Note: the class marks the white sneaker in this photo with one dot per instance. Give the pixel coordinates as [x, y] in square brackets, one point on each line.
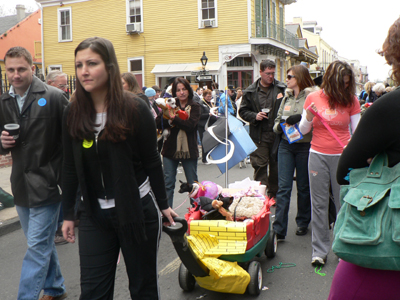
[318, 261]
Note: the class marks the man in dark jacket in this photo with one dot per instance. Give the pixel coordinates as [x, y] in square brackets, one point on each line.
[35, 177]
[259, 107]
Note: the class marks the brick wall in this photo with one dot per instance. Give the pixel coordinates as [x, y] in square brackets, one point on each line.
[5, 160]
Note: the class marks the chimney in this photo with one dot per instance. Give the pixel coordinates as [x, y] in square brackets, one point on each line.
[20, 12]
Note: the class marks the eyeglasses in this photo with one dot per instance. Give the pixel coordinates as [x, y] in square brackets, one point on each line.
[290, 77]
[62, 85]
[270, 74]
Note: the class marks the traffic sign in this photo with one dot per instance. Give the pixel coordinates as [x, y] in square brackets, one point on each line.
[204, 78]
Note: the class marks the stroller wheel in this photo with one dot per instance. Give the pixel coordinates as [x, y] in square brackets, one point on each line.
[255, 272]
[186, 279]
[272, 244]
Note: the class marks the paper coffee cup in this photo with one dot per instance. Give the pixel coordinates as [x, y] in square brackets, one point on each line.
[12, 129]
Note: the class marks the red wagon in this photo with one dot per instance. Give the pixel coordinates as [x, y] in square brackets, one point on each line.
[257, 231]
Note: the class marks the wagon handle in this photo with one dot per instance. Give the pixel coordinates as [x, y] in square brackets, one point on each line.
[175, 230]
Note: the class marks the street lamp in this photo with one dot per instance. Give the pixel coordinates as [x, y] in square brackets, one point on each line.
[204, 60]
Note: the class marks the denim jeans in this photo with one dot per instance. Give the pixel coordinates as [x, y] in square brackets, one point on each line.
[40, 267]
[291, 157]
[170, 166]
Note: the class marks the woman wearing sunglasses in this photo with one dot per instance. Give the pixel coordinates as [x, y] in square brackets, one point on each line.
[293, 156]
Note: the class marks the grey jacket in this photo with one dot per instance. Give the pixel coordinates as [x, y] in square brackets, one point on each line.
[293, 106]
[37, 156]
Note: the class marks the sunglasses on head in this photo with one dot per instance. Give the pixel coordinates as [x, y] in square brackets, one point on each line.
[290, 77]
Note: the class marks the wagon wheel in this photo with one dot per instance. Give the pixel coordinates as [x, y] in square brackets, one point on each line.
[255, 272]
[186, 279]
[272, 244]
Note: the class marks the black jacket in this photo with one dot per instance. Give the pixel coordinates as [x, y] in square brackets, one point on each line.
[189, 126]
[250, 107]
[204, 115]
[130, 161]
[37, 157]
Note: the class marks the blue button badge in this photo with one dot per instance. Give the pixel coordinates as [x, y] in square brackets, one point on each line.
[42, 102]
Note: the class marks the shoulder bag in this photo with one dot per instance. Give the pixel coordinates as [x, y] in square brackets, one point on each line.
[367, 229]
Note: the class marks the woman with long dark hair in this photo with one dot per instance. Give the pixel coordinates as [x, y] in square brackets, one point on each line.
[110, 149]
[293, 156]
[180, 144]
[339, 107]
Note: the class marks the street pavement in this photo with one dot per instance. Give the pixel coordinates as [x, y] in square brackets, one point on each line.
[301, 281]
[9, 220]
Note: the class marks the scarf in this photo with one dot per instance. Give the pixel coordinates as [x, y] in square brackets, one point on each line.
[182, 146]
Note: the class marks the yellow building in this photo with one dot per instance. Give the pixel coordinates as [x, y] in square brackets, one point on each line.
[307, 54]
[159, 39]
[312, 33]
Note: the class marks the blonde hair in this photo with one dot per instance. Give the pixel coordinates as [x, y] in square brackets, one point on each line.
[368, 86]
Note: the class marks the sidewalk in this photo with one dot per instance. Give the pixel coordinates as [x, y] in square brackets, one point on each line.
[9, 220]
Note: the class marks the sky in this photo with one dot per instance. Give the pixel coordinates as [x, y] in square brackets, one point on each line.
[355, 28]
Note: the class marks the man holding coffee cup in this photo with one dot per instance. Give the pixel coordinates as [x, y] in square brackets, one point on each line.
[259, 107]
[30, 116]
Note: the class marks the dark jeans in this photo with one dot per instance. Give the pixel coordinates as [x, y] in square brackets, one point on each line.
[170, 166]
[99, 249]
[265, 168]
[291, 157]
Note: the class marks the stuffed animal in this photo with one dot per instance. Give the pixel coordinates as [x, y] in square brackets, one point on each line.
[206, 203]
[216, 204]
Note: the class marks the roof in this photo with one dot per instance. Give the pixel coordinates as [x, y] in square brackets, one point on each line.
[292, 28]
[8, 22]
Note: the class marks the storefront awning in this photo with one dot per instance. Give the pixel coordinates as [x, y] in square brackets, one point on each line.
[184, 69]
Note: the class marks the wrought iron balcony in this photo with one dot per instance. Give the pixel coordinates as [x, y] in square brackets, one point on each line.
[272, 30]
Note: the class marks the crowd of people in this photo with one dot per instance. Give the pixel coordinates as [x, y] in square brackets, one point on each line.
[115, 182]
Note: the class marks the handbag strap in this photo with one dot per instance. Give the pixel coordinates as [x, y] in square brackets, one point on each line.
[315, 113]
[376, 167]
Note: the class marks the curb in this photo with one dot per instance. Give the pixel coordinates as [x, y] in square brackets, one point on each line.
[10, 225]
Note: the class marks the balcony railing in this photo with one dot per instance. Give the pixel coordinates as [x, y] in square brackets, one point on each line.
[273, 31]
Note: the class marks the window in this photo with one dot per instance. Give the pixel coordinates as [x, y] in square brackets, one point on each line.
[38, 49]
[135, 65]
[55, 68]
[207, 13]
[135, 11]
[241, 79]
[64, 25]
[240, 62]
[207, 9]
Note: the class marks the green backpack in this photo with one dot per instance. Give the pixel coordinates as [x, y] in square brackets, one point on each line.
[367, 229]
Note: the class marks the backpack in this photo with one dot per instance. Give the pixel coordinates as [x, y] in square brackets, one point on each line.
[363, 95]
